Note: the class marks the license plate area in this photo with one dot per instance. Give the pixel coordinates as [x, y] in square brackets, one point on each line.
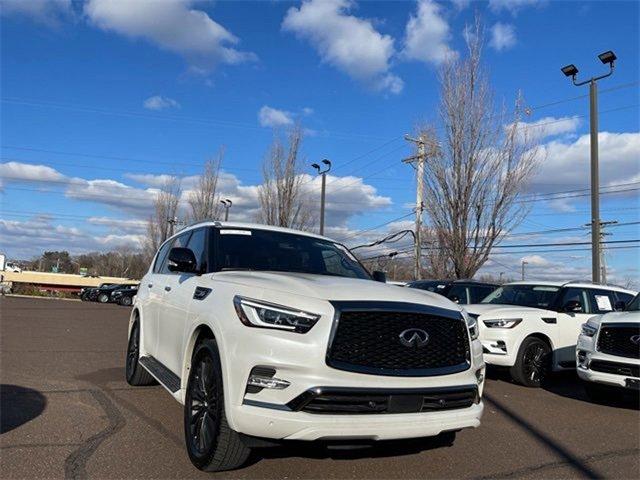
[405, 403]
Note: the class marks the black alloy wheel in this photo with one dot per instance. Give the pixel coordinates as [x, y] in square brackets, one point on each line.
[533, 362]
[203, 407]
[133, 352]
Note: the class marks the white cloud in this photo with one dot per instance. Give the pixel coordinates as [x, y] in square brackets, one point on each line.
[461, 4]
[566, 163]
[128, 225]
[349, 43]
[548, 127]
[47, 12]
[307, 111]
[272, 117]
[513, 6]
[26, 172]
[427, 35]
[172, 25]
[503, 36]
[158, 102]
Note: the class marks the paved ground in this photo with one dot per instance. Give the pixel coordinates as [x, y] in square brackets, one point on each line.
[67, 412]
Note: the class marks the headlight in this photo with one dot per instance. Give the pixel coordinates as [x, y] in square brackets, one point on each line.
[502, 322]
[589, 329]
[472, 323]
[255, 313]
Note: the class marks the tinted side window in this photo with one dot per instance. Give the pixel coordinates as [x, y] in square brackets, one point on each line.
[197, 246]
[624, 297]
[179, 241]
[162, 254]
[575, 295]
[478, 292]
[602, 301]
[457, 293]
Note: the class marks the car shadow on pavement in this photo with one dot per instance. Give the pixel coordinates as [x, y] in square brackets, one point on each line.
[567, 384]
[344, 451]
[19, 405]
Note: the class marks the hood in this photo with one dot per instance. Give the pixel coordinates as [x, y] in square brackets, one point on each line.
[504, 311]
[327, 287]
[617, 317]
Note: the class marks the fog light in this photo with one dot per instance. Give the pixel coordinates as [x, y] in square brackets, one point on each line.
[583, 359]
[267, 382]
[480, 375]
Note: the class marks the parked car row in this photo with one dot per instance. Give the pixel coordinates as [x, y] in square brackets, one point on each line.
[267, 334]
[122, 294]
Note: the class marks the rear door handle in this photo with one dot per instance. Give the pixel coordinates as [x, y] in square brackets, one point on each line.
[167, 288]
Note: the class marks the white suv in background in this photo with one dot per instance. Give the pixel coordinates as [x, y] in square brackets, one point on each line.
[608, 351]
[533, 327]
[269, 333]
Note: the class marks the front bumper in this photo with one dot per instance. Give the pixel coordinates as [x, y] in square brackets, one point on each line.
[587, 357]
[283, 425]
[498, 346]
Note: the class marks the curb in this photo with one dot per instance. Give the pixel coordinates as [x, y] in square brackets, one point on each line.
[15, 295]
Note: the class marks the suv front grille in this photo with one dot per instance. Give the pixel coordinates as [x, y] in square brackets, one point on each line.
[357, 401]
[616, 339]
[369, 340]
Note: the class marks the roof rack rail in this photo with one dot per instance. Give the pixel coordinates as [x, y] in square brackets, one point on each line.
[594, 283]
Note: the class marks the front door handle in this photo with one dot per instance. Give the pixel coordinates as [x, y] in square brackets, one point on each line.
[150, 285]
[167, 288]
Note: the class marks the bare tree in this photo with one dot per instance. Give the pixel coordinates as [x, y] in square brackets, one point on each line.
[474, 179]
[204, 200]
[281, 198]
[161, 223]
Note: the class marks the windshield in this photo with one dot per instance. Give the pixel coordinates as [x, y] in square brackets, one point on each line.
[540, 296]
[634, 306]
[265, 250]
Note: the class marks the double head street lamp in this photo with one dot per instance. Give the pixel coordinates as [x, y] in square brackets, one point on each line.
[227, 205]
[323, 172]
[572, 71]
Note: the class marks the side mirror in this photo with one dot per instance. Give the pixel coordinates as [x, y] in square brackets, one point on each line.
[183, 260]
[379, 276]
[619, 306]
[572, 306]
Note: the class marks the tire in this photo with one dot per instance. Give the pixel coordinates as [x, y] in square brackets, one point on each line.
[596, 392]
[103, 298]
[83, 297]
[533, 363]
[125, 301]
[134, 372]
[211, 444]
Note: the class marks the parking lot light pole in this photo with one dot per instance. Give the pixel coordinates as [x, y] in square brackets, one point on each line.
[523, 264]
[571, 71]
[227, 205]
[323, 173]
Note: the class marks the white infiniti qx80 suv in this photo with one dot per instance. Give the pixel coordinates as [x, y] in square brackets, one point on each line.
[268, 333]
[533, 327]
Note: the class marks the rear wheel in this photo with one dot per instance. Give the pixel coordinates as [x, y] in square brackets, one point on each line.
[135, 373]
[212, 445]
[533, 362]
[126, 301]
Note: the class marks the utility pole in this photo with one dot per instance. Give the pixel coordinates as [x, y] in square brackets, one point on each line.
[523, 264]
[227, 205]
[603, 261]
[500, 280]
[419, 159]
[172, 224]
[571, 71]
[323, 173]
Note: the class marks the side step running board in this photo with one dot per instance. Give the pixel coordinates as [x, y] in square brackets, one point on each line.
[165, 376]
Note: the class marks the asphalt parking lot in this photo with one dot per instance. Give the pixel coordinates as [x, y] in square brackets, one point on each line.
[68, 412]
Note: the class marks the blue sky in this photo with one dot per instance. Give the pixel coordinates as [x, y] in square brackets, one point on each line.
[100, 98]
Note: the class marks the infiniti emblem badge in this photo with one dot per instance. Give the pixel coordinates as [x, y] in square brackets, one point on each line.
[414, 338]
[635, 339]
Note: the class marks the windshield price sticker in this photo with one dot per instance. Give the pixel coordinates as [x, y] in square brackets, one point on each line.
[604, 303]
[235, 232]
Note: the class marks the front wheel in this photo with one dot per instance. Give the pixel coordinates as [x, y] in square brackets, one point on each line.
[212, 445]
[126, 301]
[533, 362]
